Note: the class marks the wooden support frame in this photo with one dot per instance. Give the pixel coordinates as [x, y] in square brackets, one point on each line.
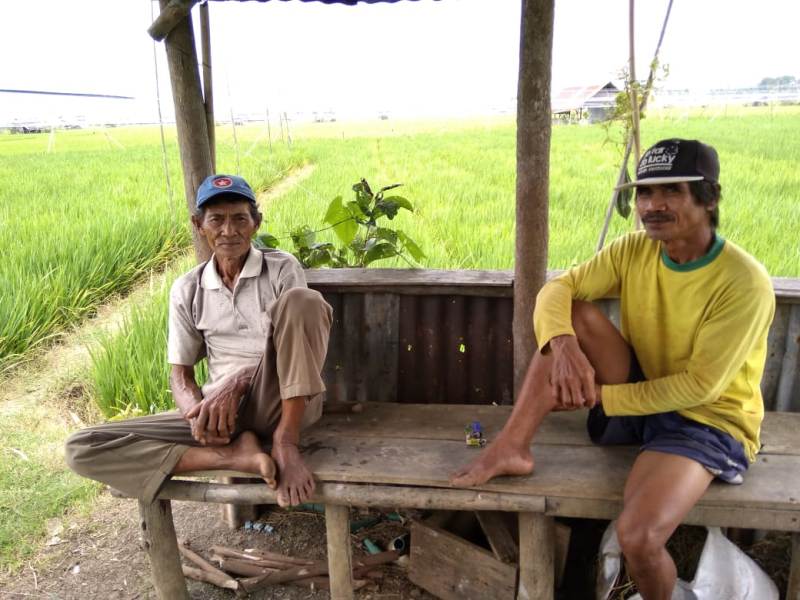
[158, 538]
[536, 556]
[340, 562]
[170, 16]
[793, 587]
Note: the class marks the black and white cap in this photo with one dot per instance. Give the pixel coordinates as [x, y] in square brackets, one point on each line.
[673, 161]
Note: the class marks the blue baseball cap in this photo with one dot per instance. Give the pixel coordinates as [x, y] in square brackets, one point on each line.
[214, 185]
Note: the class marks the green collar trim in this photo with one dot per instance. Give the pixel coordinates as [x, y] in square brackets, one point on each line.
[716, 248]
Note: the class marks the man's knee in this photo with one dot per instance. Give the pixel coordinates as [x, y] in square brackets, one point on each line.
[76, 453]
[303, 302]
[588, 320]
[638, 537]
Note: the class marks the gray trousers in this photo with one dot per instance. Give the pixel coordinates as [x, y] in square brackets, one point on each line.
[137, 455]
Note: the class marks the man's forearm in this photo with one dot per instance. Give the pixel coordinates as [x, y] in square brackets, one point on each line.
[185, 390]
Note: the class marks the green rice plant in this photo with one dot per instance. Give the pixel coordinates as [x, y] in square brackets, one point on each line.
[129, 374]
[87, 220]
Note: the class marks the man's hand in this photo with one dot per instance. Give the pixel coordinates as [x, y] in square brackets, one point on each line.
[213, 419]
[572, 375]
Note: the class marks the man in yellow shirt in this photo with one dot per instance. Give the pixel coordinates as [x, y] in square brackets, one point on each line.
[682, 375]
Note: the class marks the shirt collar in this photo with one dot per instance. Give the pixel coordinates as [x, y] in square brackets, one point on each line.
[252, 268]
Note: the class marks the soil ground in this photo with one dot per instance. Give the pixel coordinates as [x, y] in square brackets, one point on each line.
[100, 556]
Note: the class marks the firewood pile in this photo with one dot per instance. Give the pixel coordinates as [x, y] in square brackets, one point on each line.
[246, 571]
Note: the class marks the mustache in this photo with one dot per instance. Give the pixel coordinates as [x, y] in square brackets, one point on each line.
[657, 217]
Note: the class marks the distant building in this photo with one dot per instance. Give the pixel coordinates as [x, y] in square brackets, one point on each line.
[576, 103]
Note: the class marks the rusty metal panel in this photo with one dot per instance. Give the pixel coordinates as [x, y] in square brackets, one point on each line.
[455, 350]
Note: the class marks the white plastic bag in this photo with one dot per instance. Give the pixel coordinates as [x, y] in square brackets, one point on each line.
[723, 573]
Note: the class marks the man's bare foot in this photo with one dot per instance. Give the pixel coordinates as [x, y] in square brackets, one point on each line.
[248, 456]
[499, 458]
[295, 481]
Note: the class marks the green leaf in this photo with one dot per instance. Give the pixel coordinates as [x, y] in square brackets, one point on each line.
[355, 210]
[385, 207]
[411, 246]
[266, 240]
[389, 187]
[379, 252]
[401, 202]
[302, 237]
[390, 235]
[622, 200]
[344, 225]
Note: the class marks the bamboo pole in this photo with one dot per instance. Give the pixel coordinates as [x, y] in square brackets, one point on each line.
[355, 494]
[158, 538]
[190, 117]
[340, 568]
[208, 91]
[533, 167]
[629, 144]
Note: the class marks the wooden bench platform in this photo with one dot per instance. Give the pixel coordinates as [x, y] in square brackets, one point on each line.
[400, 455]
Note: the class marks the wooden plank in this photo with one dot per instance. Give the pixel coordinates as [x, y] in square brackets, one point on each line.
[562, 471]
[381, 345]
[453, 569]
[235, 515]
[536, 557]
[790, 362]
[446, 422]
[793, 586]
[787, 289]
[158, 538]
[493, 524]
[340, 567]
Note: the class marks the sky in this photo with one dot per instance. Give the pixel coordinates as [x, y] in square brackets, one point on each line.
[425, 58]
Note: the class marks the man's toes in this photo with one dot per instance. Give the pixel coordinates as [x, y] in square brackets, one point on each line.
[283, 498]
[295, 496]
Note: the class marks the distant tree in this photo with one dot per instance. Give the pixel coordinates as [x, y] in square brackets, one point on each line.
[786, 80]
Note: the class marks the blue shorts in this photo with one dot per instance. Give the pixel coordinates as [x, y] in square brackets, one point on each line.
[719, 452]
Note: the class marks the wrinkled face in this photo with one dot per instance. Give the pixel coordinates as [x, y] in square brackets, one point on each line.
[669, 212]
[228, 228]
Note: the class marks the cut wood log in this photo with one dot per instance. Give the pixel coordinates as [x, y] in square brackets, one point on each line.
[262, 555]
[242, 567]
[225, 582]
[202, 562]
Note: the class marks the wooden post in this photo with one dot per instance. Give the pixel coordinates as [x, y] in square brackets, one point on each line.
[208, 92]
[793, 587]
[158, 538]
[536, 552]
[190, 116]
[337, 522]
[533, 166]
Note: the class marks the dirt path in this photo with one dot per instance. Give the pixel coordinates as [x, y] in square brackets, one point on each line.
[294, 177]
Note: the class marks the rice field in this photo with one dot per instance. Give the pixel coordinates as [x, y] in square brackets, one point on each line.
[89, 211]
[83, 222]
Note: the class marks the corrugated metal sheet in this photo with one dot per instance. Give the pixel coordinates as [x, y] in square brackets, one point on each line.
[406, 344]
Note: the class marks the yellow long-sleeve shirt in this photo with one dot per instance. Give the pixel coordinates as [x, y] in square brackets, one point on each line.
[698, 329]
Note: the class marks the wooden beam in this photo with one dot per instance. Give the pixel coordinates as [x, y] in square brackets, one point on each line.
[499, 537]
[170, 16]
[536, 557]
[208, 91]
[340, 567]
[533, 166]
[158, 538]
[190, 117]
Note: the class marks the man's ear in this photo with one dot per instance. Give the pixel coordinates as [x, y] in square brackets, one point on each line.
[197, 221]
